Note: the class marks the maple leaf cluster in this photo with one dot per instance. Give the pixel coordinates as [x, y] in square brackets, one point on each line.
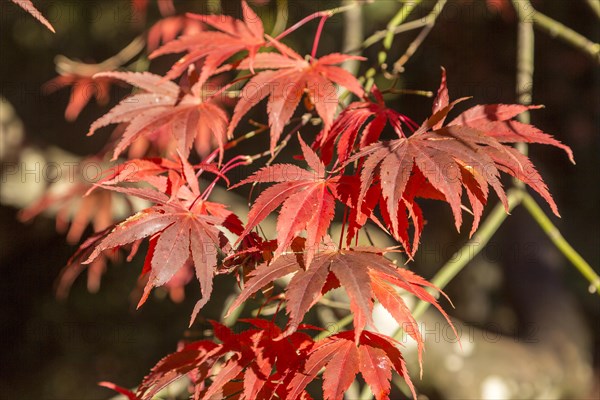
[178, 130]
[259, 364]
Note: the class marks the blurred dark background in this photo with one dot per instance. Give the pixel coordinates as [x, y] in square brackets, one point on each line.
[519, 286]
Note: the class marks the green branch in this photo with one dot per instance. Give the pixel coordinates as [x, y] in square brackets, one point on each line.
[525, 68]
[595, 6]
[396, 21]
[527, 12]
[467, 252]
[560, 242]
[379, 35]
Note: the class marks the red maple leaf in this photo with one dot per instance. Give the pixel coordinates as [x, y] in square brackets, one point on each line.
[375, 358]
[167, 29]
[366, 116]
[180, 182]
[28, 6]
[363, 273]
[162, 105]
[121, 390]
[251, 364]
[75, 267]
[216, 47]
[82, 89]
[286, 78]
[140, 7]
[74, 210]
[182, 225]
[438, 161]
[179, 231]
[306, 199]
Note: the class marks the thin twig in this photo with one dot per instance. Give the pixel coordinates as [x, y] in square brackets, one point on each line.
[527, 12]
[329, 13]
[396, 21]
[303, 121]
[414, 46]
[353, 35]
[560, 242]
[595, 6]
[467, 252]
[399, 65]
[65, 65]
[379, 35]
[334, 304]
[525, 70]
[424, 93]
[341, 324]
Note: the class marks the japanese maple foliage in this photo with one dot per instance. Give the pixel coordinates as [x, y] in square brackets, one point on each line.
[28, 6]
[215, 47]
[286, 78]
[351, 167]
[164, 105]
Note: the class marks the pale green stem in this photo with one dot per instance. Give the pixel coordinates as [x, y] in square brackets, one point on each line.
[595, 6]
[332, 329]
[457, 262]
[398, 19]
[231, 320]
[410, 51]
[353, 34]
[560, 242]
[379, 35]
[353, 37]
[525, 69]
[527, 12]
[473, 247]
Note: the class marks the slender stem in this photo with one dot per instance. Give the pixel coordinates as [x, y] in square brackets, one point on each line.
[525, 70]
[232, 143]
[567, 35]
[65, 65]
[353, 38]
[414, 46]
[331, 12]
[527, 12]
[368, 235]
[473, 247]
[339, 325]
[424, 93]
[379, 35]
[313, 53]
[303, 121]
[395, 28]
[560, 242]
[525, 66]
[230, 84]
[334, 304]
[398, 19]
[595, 6]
